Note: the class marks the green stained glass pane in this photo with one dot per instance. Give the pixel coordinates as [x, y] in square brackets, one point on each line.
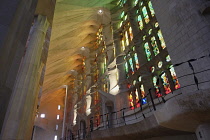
[146, 17]
[147, 51]
[168, 58]
[136, 2]
[154, 80]
[163, 44]
[134, 82]
[126, 67]
[144, 37]
[141, 3]
[141, 25]
[150, 31]
[154, 46]
[125, 17]
[136, 61]
[152, 69]
[140, 78]
[133, 48]
[118, 3]
[156, 24]
[120, 24]
[160, 64]
[122, 14]
[151, 8]
[131, 65]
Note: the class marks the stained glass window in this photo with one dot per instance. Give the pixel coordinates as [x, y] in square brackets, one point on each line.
[156, 24]
[136, 2]
[134, 82]
[139, 78]
[136, 61]
[133, 48]
[175, 80]
[163, 45]
[154, 46]
[131, 33]
[146, 17]
[131, 65]
[166, 84]
[137, 98]
[157, 90]
[141, 25]
[125, 17]
[126, 38]
[152, 69]
[122, 44]
[120, 24]
[141, 3]
[168, 59]
[144, 37]
[122, 15]
[143, 95]
[150, 31]
[147, 50]
[131, 101]
[151, 8]
[121, 2]
[160, 64]
[126, 69]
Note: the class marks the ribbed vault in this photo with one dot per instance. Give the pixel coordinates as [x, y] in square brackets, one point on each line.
[74, 25]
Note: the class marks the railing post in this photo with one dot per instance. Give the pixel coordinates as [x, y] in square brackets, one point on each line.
[195, 78]
[124, 116]
[91, 125]
[150, 94]
[107, 120]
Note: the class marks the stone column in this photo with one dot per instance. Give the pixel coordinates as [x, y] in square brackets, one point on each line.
[20, 115]
[15, 21]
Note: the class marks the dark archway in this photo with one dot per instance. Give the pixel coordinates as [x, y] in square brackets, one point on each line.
[109, 116]
[82, 129]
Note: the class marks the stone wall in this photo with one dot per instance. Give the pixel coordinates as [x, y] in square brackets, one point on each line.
[186, 32]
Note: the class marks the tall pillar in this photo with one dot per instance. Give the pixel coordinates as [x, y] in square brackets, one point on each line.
[21, 110]
[15, 21]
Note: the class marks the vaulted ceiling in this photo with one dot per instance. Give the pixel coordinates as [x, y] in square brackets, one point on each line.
[74, 25]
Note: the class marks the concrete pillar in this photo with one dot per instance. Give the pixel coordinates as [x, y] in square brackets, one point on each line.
[203, 132]
[15, 21]
[20, 115]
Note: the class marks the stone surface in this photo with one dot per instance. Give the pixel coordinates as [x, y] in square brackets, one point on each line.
[16, 17]
[23, 103]
[187, 37]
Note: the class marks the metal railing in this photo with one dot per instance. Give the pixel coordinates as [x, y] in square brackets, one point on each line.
[118, 118]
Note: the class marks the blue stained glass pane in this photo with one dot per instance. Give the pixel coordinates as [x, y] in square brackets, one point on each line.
[144, 101]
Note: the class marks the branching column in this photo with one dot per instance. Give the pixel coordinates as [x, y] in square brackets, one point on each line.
[19, 118]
